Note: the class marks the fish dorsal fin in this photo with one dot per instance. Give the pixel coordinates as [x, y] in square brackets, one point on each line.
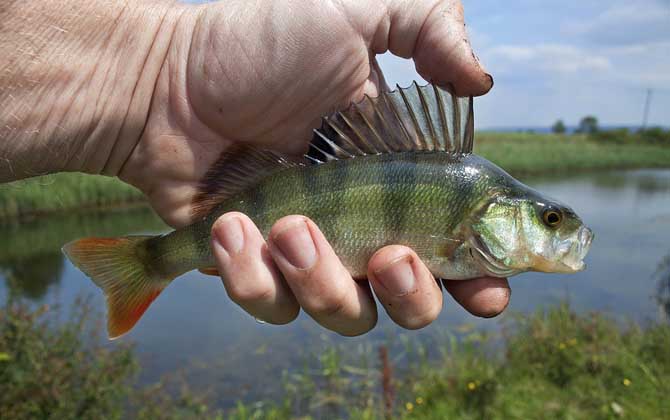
[236, 169]
[426, 118]
[416, 118]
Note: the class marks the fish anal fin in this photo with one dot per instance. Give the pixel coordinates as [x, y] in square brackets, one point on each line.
[210, 271]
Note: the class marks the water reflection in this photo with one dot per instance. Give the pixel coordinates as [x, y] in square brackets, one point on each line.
[30, 252]
[194, 326]
[643, 181]
[32, 276]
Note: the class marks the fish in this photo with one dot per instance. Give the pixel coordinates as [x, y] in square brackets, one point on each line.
[398, 168]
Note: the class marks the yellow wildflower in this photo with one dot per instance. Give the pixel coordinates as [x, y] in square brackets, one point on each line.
[626, 382]
[419, 400]
[561, 346]
[472, 386]
[409, 406]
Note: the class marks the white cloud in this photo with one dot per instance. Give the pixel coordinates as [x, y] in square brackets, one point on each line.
[558, 58]
[622, 23]
[565, 59]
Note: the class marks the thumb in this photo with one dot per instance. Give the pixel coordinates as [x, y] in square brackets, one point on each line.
[433, 33]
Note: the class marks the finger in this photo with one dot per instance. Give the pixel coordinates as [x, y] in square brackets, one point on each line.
[249, 275]
[434, 35]
[403, 284]
[319, 281]
[485, 297]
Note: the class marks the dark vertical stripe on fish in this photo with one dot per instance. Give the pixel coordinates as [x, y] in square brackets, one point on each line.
[257, 201]
[309, 185]
[399, 179]
[333, 180]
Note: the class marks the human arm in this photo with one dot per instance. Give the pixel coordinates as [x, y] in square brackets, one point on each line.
[153, 92]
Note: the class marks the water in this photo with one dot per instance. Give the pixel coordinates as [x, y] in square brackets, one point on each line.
[193, 327]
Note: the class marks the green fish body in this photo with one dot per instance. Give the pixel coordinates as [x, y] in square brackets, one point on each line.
[392, 170]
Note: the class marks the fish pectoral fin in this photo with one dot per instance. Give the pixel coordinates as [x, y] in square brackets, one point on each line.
[447, 249]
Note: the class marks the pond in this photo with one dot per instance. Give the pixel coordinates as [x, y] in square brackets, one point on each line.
[193, 327]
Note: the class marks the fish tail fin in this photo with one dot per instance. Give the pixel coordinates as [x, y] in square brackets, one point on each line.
[118, 267]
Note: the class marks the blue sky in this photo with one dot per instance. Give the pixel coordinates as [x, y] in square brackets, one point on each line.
[566, 59]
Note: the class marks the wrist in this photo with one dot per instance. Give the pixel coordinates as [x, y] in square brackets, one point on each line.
[79, 80]
[137, 61]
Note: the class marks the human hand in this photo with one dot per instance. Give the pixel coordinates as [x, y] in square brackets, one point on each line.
[261, 73]
[264, 75]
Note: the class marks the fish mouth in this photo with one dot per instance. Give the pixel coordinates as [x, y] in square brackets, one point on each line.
[493, 266]
[575, 258]
[572, 259]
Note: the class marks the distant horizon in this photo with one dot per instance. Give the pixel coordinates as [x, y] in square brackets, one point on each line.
[564, 60]
[568, 128]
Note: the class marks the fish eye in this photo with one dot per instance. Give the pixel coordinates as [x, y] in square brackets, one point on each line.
[552, 217]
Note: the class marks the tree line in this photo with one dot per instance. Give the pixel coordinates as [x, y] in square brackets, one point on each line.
[588, 125]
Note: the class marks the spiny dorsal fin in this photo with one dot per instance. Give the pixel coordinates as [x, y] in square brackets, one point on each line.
[413, 118]
[416, 118]
[236, 169]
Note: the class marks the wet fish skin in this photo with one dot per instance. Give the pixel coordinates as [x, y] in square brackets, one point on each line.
[419, 199]
[397, 169]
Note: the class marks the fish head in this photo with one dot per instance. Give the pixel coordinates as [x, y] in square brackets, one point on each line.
[529, 233]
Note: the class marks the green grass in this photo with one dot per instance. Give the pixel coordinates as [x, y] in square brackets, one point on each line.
[552, 364]
[518, 153]
[62, 371]
[527, 153]
[63, 192]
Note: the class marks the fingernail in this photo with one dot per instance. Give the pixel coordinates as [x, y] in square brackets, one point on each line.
[229, 234]
[296, 245]
[491, 80]
[397, 276]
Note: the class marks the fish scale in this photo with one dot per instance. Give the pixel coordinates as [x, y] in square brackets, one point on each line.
[397, 169]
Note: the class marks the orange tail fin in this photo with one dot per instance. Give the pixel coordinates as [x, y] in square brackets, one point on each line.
[116, 266]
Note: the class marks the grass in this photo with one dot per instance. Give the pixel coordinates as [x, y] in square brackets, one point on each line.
[63, 192]
[518, 153]
[552, 364]
[529, 153]
[61, 371]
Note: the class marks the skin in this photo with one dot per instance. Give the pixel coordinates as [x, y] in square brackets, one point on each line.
[82, 89]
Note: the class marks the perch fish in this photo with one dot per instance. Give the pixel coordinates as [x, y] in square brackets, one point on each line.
[396, 169]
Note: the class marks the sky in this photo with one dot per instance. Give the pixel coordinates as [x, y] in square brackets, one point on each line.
[565, 59]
